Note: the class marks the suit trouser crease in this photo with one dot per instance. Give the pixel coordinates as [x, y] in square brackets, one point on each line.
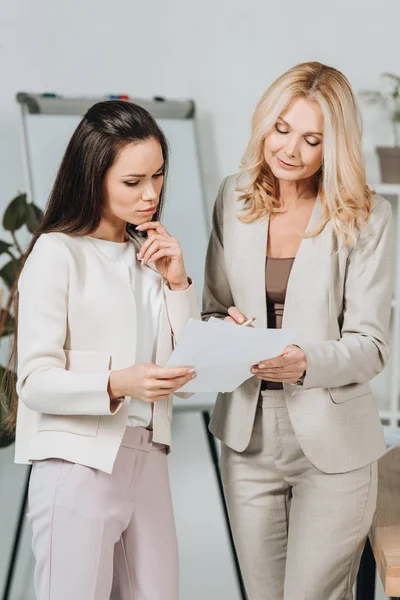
[299, 532]
[98, 536]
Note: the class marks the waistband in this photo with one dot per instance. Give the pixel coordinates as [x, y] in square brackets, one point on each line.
[140, 438]
[272, 399]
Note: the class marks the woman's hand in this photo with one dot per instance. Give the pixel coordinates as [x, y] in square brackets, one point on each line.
[166, 254]
[286, 368]
[235, 316]
[148, 382]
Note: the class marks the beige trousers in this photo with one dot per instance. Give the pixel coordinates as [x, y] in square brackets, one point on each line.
[299, 532]
[98, 536]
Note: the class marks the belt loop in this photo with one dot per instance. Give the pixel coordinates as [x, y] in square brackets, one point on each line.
[149, 443]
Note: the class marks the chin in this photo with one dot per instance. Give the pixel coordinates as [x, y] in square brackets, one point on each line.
[139, 219]
[284, 175]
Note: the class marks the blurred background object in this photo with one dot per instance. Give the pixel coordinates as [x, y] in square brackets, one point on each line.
[389, 101]
[18, 214]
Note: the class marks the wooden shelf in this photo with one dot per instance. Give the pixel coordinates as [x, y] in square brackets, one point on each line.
[385, 531]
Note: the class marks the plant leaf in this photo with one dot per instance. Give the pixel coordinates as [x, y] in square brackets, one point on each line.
[392, 77]
[4, 247]
[373, 97]
[15, 213]
[10, 271]
[33, 217]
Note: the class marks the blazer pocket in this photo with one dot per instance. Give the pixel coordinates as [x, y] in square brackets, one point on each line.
[78, 361]
[349, 392]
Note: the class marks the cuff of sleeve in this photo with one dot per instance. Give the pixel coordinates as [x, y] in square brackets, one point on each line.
[116, 403]
[310, 376]
[181, 306]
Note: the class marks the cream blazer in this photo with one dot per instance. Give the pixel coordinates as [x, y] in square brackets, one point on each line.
[338, 302]
[77, 322]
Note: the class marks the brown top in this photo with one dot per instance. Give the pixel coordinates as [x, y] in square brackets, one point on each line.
[277, 271]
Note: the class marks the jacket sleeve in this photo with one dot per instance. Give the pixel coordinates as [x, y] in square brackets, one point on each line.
[43, 382]
[362, 351]
[217, 296]
[181, 306]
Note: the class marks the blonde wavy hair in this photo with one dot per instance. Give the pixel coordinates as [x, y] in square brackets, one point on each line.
[341, 180]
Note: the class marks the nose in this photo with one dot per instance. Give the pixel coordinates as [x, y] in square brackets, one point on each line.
[291, 146]
[149, 193]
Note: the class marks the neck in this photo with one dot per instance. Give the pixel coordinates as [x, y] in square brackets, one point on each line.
[293, 194]
[111, 232]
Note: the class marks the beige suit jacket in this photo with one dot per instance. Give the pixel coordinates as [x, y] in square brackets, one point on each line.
[77, 322]
[338, 302]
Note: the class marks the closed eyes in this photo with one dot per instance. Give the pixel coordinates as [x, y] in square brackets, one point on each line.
[284, 132]
[135, 183]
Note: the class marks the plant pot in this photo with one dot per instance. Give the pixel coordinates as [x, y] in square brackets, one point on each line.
[389, 158]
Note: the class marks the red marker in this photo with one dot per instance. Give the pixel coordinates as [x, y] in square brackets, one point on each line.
[119, 97]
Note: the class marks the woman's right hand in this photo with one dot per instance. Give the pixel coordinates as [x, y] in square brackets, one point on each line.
[235, 316]
[148, 382]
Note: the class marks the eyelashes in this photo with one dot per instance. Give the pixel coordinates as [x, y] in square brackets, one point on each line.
[286, 132]
[135, 183]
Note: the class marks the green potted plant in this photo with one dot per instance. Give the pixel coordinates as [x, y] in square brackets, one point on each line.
[18, 214]
[389, 100]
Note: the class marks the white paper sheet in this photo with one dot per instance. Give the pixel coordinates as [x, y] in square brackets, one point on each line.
[223, 353]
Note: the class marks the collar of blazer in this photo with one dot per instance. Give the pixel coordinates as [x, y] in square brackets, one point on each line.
[247, 266]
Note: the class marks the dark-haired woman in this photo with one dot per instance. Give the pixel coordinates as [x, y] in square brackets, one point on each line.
[102, 295]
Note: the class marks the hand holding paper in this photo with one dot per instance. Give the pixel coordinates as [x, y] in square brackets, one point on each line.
[223, 353]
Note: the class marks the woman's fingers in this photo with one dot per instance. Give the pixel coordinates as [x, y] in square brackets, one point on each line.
[154, 225]
[292, 357]
[156, 241]
[294, 376]
[277, 372]
[162, 253]
[237, 316]
[159, 389]
[169, 384]
[229, 320]
[161, 382]
[162, 247]
[170, 372]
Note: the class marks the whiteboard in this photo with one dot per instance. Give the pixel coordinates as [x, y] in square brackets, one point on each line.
[185, 214]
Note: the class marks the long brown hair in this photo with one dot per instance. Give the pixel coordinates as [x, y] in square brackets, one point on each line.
[75, 203]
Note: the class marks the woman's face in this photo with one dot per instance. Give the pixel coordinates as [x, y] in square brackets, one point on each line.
[133, 183]
[293, 149]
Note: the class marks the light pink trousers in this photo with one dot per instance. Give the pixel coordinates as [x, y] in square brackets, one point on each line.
[105, 537]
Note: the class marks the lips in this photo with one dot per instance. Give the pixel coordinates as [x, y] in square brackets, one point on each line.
[148, 210]
[285, 164]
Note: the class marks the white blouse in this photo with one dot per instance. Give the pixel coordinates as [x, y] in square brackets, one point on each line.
[147, 287]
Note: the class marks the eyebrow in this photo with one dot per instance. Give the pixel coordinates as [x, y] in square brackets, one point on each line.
[135, 175]
[306, 134]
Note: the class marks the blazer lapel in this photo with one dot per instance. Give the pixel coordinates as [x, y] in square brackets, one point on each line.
[247, 268]
[304, 278]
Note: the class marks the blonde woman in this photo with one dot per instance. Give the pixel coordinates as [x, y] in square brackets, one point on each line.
[300, 241]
